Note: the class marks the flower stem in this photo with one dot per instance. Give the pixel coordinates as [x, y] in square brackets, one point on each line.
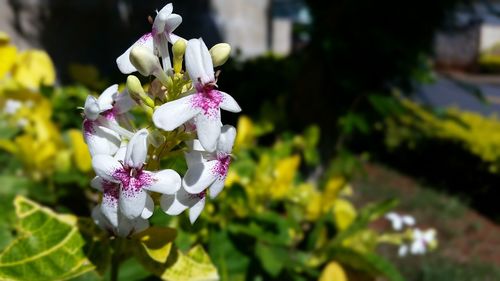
[116, 258]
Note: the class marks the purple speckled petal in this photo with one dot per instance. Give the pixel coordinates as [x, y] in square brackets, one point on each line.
[105, 167]
[229, 103]
[199, 176]
[209, 129]
[226, 139]
[132, 202]
[175, 113]
[165, 181]
[109, 204]
[123, 61]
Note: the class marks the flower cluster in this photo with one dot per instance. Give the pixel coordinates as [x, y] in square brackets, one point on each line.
[184, 110]
[414, 240]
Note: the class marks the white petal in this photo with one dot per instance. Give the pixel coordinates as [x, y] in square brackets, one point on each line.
[171, 205]
[173, 114]
[173, 21]
[195, 145]
[195, 211]
[226, 139]
[403, 250]
[229, 104]
[408, 220]
[91, 109]
[199, 176]
[120, 153]
[161, 44]
[139, 224]
[216, 187]
[208, 129]
[132, 202]
[162, 17]
[149, 208]
[197, 65]
[97, 183]
[207, 62]
[193, 157]
[417, 247]
[137, 149]
[123, 61]
[172, 38]
[100, 219]
[105, 166]
[105, 100]
[99, 139]
[123, 102]
[165, 181]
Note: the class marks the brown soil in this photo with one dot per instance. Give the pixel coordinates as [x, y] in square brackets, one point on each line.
[464, 235]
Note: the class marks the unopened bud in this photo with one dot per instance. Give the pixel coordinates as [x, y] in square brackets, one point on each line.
[220, 53]
[137, 92]
[178, 50]
[147, 63]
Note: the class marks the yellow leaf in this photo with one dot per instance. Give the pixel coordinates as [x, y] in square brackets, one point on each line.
[8, 55]
[32, 68]
[284, 173]
[81, 155]
[157, 242]
[344, 213]
[333, 272]
[245, 134]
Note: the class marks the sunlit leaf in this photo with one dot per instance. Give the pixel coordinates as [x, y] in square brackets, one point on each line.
[157, 242]
[48, 246]
[333, 272]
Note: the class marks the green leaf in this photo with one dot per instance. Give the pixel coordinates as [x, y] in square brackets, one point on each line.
[232, 264]
[365, 216]
[367, 262]
[271, 258]
[48, 246]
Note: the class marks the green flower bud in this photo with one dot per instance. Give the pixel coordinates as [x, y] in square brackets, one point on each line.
[220, 53]
[137, 92]
[178, 50]
[147, 63]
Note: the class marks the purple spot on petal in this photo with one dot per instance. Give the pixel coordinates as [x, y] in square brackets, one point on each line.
[110, 114]
[208, 100]
[88, 128]
[111, 191]
[145, 38]
[132, 179]
[222, 165]
[200, 195]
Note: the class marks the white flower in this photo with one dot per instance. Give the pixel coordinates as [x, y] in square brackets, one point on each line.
[12, 106]
[209, 169]
[205, 170]
[123, 226]
[164, 24]
[403, 250]
[422, 240]
[176, 203]
[100, 127]
[128, 171]
[399, 221]
[204, 105]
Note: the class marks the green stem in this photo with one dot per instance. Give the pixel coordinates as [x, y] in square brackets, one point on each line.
[116, 259]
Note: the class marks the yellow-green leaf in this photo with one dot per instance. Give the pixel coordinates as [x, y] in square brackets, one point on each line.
[48, 246]
[194, 266]
[157, 242]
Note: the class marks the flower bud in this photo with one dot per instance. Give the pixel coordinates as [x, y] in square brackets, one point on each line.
[178, 50]
[147, 63]
[137, 92]
[220, 53]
